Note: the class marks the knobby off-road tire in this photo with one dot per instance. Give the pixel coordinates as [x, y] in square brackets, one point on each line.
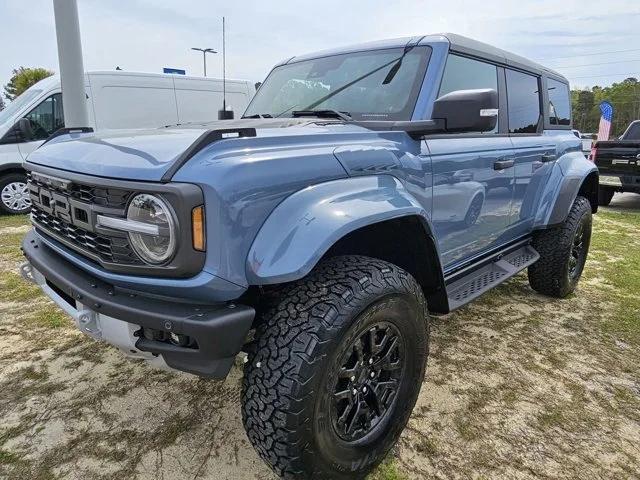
[563, 252]
[605, 195]
[300, 378]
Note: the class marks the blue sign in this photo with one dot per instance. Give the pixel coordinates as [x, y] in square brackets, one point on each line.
[176, 71]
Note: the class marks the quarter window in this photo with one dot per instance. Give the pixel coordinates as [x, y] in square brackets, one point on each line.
[462, 73]
[559, 103]
[47, 117]
[523, 96]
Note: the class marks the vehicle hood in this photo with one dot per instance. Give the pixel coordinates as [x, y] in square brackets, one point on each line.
[148, 154]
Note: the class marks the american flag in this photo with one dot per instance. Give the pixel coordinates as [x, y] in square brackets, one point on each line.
[606, 110]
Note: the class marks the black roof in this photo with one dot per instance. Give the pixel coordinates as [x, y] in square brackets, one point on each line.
[469, 46]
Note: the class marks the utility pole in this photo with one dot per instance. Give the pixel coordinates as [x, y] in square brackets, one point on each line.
[74, 99]
[204, 56]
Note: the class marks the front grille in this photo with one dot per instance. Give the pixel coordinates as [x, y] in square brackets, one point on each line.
[103, 196]
[108, 249]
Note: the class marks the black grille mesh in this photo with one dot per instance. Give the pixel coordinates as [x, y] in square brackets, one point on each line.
[109, 249]
[105, 197]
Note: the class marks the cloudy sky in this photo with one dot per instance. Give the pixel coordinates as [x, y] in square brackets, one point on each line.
[146, 35]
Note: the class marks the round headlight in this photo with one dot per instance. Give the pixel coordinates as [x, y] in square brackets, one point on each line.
[159, 245]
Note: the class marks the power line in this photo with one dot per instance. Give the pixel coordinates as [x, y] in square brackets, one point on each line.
[591, 54]
[594, 64]
[607, 75]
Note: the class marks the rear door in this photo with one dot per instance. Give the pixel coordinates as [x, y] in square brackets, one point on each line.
[472, 173]
[534, 153]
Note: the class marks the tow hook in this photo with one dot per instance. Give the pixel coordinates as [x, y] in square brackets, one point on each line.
[26, 271]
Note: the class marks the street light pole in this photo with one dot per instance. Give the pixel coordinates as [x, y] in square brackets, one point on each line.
[204, 56]
[70, 61]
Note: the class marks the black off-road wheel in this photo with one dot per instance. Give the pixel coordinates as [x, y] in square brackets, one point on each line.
[563, 252]
[605, 194]
[336, 369]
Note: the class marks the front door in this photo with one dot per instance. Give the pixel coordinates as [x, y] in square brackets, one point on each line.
[472, 173]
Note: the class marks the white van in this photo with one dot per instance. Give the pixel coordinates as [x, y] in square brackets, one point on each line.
[114, 100]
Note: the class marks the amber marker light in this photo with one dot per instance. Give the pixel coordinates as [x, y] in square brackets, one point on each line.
[197, 228]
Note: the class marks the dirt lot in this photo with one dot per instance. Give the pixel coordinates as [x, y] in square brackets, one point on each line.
[518, 386]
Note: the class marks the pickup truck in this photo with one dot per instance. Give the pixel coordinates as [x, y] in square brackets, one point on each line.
[365, 189]
[619, 164]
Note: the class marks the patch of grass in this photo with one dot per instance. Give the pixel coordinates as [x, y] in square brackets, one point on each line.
[617, 238]
[552, 416]
[50, 317]
[30, 373]
[10, 246]
[387, 470]
[14, 220]
[7, 458]
[427, 446]
[14, 289]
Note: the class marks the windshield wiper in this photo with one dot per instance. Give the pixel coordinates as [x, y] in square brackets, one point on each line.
[325, 113]
[259, 115]
[387, 79]
[394, 70]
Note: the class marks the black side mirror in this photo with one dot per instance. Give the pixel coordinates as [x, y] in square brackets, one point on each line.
[24, 127]
[467, 110]
[20, 132]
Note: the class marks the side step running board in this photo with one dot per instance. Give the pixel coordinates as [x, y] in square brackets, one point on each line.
[477, 282]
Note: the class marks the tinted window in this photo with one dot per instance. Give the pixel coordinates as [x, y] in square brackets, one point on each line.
[633, 132]
[461, 73]
[559, 103]
[370, 85]
[523, 96]
[47, 117]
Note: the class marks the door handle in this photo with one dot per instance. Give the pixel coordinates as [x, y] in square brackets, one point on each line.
[503, 164]
[548, 157]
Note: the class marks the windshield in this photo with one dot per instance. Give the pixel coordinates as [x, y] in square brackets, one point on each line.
[372, 85]
[14, 107]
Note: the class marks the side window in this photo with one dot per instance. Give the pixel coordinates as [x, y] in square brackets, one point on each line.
[559, 103]
[47, 117]
[462, 73]
[523, 96]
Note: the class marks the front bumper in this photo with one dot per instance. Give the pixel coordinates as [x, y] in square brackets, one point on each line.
[117, 316]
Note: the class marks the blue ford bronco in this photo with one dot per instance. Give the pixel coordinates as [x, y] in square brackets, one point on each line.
[363, 190]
